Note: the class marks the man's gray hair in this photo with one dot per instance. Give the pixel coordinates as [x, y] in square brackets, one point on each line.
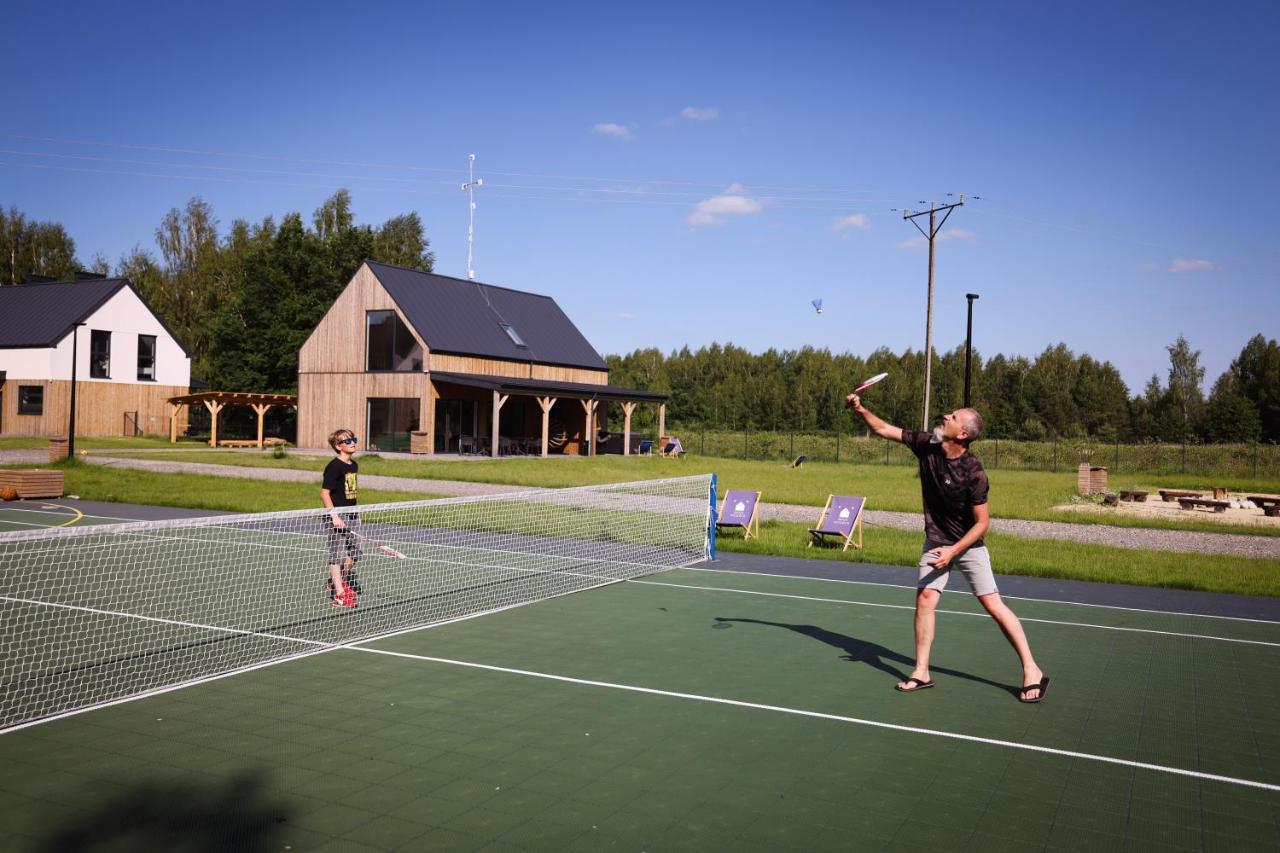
[971, 422]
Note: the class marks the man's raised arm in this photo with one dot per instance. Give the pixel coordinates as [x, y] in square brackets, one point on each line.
[878, 426]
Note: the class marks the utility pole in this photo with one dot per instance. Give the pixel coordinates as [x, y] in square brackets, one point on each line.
[968, 351]
[930, 235]
[470, 188]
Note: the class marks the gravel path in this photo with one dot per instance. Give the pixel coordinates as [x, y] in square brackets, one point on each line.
[1177, 541]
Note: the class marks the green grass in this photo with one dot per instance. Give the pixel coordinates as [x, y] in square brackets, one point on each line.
[40, 442]
[1042, 558]
[1030, 495]
[197, 491]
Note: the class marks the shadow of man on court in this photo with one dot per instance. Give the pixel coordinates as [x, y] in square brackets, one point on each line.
[872, 654]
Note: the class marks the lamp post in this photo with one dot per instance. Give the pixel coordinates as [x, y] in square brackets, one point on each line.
[968, 350]
[71, 425]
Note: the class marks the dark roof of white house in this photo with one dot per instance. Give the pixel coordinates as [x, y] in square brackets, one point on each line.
[461, 317]
[40, 314]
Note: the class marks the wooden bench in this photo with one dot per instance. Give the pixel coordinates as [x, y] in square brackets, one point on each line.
[1270, 506]
[33, 483]
[1136, 496]
[1171, 495]
[1210, 503]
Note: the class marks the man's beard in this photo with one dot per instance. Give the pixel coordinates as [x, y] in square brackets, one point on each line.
[936, 438]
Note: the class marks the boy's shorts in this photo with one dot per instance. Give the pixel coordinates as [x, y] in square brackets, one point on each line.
[975, 564]
[343, 543]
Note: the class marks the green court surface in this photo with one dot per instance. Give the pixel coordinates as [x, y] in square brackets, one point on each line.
[691, 710]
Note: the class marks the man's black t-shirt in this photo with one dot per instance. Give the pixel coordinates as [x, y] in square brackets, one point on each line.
[951, 488]
[340, 479]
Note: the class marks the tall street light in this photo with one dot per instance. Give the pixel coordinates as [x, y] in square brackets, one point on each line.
[71, 426]
[968, 351]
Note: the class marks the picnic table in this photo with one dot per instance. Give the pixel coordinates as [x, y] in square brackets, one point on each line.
[1209, 503]
[1270, 506]
[1171, 495]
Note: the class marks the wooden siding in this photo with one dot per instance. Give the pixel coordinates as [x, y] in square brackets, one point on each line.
[515, 369]
[100, 408]
[327, 401]
[337, 344]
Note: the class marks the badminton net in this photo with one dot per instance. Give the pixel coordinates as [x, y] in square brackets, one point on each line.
[96, 614]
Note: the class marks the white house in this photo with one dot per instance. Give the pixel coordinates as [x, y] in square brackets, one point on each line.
[127, 362]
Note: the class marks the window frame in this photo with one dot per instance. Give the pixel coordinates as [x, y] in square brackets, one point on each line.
[25, 407]
[398, 326]
[155, 346]
[95, 354]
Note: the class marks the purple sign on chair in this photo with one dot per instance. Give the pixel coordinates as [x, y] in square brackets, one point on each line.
[738, 509]
[842, 515]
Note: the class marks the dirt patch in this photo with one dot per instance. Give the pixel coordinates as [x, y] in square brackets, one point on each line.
[1240, 513]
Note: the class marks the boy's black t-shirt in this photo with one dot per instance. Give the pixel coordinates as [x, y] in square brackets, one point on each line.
[951, 488]
[340, 479]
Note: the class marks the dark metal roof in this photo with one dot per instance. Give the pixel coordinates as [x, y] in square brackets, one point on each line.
[575, 390]
[463, 317]
[40, 314]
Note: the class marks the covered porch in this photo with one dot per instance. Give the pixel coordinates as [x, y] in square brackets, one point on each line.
[500, 415]
[216, 401]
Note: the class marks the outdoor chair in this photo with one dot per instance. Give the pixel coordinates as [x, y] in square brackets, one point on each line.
[672, 448]
[741, 509]
[645, 448]
[842, 517]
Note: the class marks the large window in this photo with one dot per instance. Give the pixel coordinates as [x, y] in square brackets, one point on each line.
[31, 399]
[100, 355]
[391, 419]
[146, 358]
[390, 345]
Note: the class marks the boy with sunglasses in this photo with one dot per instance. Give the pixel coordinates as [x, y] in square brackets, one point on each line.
[340, 490]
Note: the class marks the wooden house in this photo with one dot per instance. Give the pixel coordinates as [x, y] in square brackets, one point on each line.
[127, 363]
[414, 361]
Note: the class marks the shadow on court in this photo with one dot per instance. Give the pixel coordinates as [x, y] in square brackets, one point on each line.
[238, 814]
[872, 654]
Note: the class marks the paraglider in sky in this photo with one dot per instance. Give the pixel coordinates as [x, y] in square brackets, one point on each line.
[817, 305]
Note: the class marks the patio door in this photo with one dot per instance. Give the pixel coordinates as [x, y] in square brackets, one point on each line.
[389, 422]
[455, 420]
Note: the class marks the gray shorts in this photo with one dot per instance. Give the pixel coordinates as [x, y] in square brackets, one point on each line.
[975, 563]
[343, 543]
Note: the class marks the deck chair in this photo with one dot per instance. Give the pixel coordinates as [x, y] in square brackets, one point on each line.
[672, 448]
[741, 509]
[644, 448]
[842, 516]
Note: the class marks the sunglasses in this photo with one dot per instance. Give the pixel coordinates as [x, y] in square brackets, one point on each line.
[350, 440]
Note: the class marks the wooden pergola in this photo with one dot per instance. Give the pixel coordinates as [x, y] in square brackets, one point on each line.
[216, 401]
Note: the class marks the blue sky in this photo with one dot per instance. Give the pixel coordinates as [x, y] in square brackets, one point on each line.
[686, 173]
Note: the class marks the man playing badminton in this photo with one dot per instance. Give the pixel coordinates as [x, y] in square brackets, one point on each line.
[340, 489]
[956, 516]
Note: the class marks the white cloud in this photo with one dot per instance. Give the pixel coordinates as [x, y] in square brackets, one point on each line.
[700, 113]
[609, 128]
[856, 222]
[1190, 265]
[919, 242]
[732, 202]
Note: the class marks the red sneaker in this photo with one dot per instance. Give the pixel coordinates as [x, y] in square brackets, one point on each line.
[346, 598]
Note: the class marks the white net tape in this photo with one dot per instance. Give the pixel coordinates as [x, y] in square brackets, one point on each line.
[94, 614]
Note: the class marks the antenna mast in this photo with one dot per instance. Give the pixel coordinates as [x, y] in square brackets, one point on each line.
[470, 188]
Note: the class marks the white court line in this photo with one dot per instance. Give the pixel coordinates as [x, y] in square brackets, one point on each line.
[956, 612]
[800, 712]
[1002, 595]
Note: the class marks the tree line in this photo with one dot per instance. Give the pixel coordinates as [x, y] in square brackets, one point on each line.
[244, 301]
[1056, 394]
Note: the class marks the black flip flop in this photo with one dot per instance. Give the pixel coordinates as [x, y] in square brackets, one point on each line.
[1044, 690]
[920, 685]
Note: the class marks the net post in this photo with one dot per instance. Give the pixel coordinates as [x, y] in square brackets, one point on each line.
[711, 519]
